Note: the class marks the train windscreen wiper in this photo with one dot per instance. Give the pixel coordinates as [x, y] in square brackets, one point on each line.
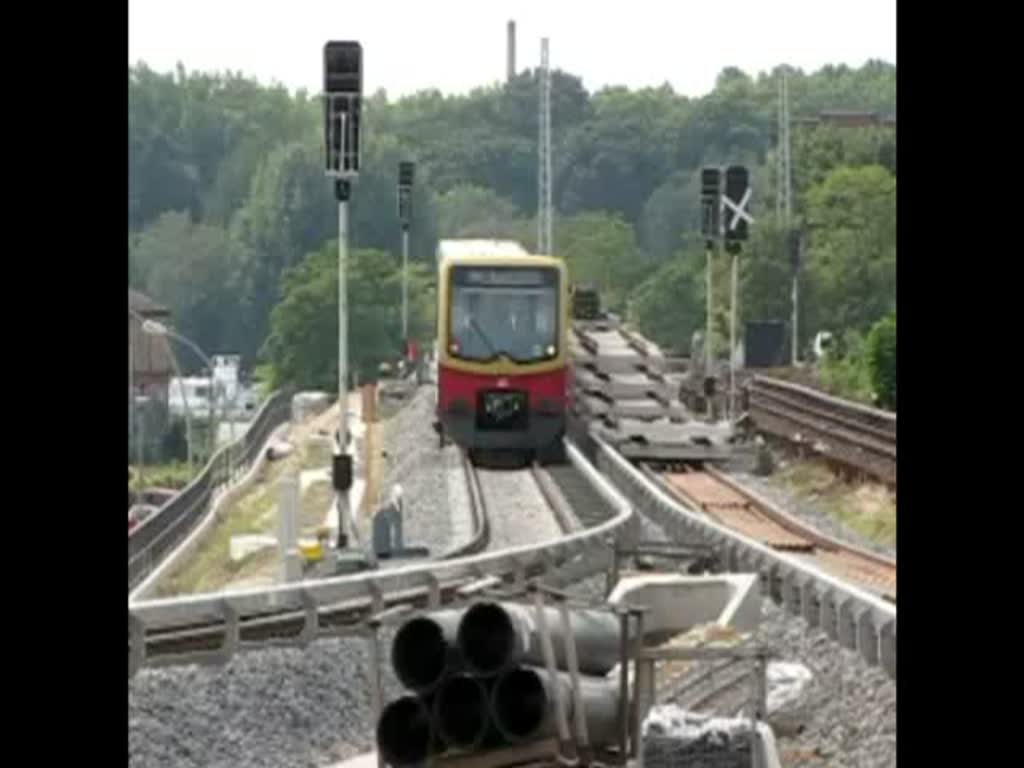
[480, 331]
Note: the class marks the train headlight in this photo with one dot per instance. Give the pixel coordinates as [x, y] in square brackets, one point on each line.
[453, 348]
[551, 350]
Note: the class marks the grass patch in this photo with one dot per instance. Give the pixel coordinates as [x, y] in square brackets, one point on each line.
[210, 567]
[171, 475]
[868, 508]
[317, 452]
[314, 503]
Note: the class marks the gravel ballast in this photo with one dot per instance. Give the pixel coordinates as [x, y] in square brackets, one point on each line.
[848, 707]
[415, 462]
[519, 514]
[291, 707]
[278, 708]
[309, 708]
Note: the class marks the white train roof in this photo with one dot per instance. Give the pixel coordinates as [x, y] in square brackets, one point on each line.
[455, 248]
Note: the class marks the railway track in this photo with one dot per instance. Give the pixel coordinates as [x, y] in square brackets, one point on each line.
[212, 628]
[812, 576]
[849, 608]
[626, 393]
[730, 504]
[851, 435]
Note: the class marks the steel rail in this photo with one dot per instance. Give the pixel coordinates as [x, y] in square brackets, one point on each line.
[212, 628]
[829, 425]
[886, 419]
[851, 434]
[854, 617]
[784, 401]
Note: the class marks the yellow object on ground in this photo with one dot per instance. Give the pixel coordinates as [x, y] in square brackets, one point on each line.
[311, 549]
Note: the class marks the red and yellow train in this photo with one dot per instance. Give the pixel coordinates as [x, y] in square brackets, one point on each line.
[502, 363]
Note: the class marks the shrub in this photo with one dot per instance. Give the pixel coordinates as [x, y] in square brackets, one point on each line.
[881, 359]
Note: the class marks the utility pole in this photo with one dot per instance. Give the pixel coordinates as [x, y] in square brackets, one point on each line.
[406, 171]
[794, 242]
[545, 246]
[733, 302]
[511, 52]
[780, 158]
[343, 89]
[736, 219]
[787, 146]
[709, 355]
[131, 387]
[711, 209]
[784, 207]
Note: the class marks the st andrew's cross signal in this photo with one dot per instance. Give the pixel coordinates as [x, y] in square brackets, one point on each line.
[735, 202]
[725, 212]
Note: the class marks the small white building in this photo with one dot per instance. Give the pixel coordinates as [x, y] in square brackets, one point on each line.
[193, 392]
[225, 374]
[196, 392]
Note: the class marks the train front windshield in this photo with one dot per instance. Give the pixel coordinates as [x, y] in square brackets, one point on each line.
[504, 311]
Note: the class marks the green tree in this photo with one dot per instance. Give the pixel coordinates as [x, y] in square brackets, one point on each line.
[161, 176]
[231, 153]
[289, 212]
[195, 139]
[374, 214]
[302, 348]
[672, 210]
[881, 360]
[669, 305]
[618, 157]
[851, 252]
[468, 211]
[194, 269]
[766, 274]
[601, 250]
[845, 371]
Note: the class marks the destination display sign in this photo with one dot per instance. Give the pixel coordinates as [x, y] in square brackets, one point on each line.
[519, 277]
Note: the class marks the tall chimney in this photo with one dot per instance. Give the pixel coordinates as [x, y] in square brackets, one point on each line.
[511, 50]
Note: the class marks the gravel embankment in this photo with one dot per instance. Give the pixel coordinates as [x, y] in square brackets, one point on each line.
[415, 462]
[276, 708]
[309, 708]
[291, 708]
[848, 709]
[846, 714]
[850, 706]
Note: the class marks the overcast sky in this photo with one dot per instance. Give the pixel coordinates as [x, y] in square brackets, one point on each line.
[456, 45]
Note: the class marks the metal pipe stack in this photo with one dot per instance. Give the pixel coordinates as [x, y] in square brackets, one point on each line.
[478, 681]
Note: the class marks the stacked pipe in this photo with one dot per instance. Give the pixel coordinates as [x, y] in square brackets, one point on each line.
[477, 680]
